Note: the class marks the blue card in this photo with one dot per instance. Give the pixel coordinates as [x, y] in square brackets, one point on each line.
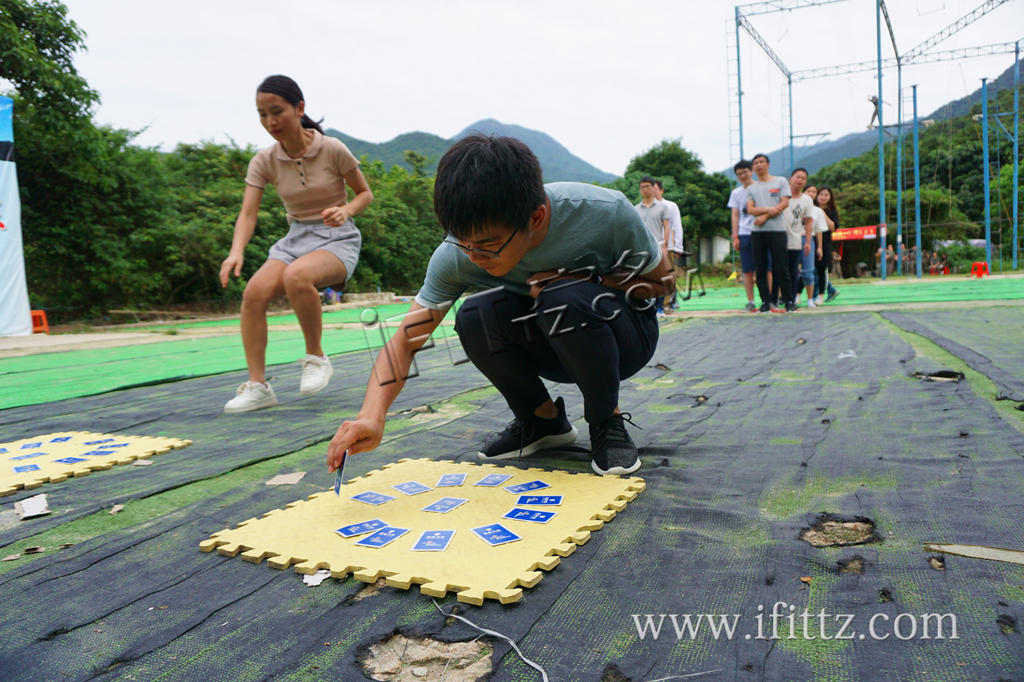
[25, 468]
[539, 499]
[28, 456]
[60, 439]
[28, 446]
[433, 541]
[96, 442]
[372, 498]
[383, 537]
[526, 487]
[411, 488]
[115, 445]
[495, 534]
[97, 452]
[445, 504]
[451, 480]
[493, 480]
[361, 528]
[3, 450]
[71, 460]
[535, 515]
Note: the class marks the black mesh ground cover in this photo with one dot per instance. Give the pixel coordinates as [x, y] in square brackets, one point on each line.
[990, 340]
[748, 434]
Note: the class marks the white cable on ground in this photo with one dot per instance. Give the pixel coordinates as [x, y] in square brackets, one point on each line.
[543, 674]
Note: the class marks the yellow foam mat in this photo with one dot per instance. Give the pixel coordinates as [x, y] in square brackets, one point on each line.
[304, 534]
[31, 462]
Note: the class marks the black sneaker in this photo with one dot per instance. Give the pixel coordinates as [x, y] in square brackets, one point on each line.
[522, 438]
[832, 296]
[612, 451]
[765, 308]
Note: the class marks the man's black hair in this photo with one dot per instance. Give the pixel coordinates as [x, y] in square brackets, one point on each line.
[798, 169]
[648, 179]
[487, 181]
[659, 184]
[757, 156]
[741, 164]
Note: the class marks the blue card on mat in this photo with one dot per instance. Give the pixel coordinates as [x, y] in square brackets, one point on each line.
[493, 480]
[411, 488]
[526, 487]
[383, 537]
[451, 480]
[535, 515]
[71, 460]
[495, 534]
[60, 439]
[433, 541]
[28, 456]
[24, 468]
[445, 504]
[29, 446]
[360, 528]
[539, 499]
[372, 498]
[96, 442]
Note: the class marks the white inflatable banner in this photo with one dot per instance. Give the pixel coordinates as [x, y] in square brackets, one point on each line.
[15, 316]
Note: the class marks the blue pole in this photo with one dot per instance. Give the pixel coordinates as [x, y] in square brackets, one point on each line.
[917, 190]
[792, 159]
[1016, 143]
[739, 81]
[899, 169]
[984, 156]
[881, 145]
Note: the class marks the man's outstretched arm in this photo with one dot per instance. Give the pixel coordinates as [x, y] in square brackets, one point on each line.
[386, 381]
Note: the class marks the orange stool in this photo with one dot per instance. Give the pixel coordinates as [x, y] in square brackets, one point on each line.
[39, 323]
[979, 269]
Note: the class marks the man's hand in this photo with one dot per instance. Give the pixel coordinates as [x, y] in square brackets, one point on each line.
[539, 280]
[807, 248]
[759, 220]
[360, 435]
[736, 242]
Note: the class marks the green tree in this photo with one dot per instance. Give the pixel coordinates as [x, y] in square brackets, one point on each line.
[701, 197]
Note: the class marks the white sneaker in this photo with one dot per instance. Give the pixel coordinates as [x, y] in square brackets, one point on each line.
[818, 300]
[251, 396]
[811, 304]
[316, 372]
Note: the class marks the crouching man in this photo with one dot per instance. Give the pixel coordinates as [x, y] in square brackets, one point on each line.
[567, 275]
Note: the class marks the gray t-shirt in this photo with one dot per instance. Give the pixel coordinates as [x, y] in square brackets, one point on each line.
[590, 227]
[653, 216]
[766, 195]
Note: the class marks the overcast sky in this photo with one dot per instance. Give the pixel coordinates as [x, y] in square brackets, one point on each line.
[608, 79]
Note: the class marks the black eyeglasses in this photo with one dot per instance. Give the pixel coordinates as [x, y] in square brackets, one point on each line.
[484, 252]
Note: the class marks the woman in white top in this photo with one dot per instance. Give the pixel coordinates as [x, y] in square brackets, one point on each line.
[310, 172]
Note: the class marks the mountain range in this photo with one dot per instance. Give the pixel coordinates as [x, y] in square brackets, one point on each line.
[557, 162]
[815, 156]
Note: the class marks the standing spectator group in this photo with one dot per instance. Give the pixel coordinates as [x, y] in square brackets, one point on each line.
[783, 235]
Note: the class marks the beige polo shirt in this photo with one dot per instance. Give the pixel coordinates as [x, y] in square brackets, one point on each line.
[308, 185]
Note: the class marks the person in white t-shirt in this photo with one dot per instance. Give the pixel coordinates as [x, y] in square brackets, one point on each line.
[675, 240]
[799, 237]
[741, 224]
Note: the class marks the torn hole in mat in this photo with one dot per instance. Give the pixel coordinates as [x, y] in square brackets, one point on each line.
[832, 530]
[941, 375]
[1007, 623]
[402, 658]
[853, 564]
[612, 673]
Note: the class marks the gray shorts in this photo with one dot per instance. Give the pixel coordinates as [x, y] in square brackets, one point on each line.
[343, 241]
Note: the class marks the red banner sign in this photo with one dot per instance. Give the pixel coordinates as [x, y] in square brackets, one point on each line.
[848, 233]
